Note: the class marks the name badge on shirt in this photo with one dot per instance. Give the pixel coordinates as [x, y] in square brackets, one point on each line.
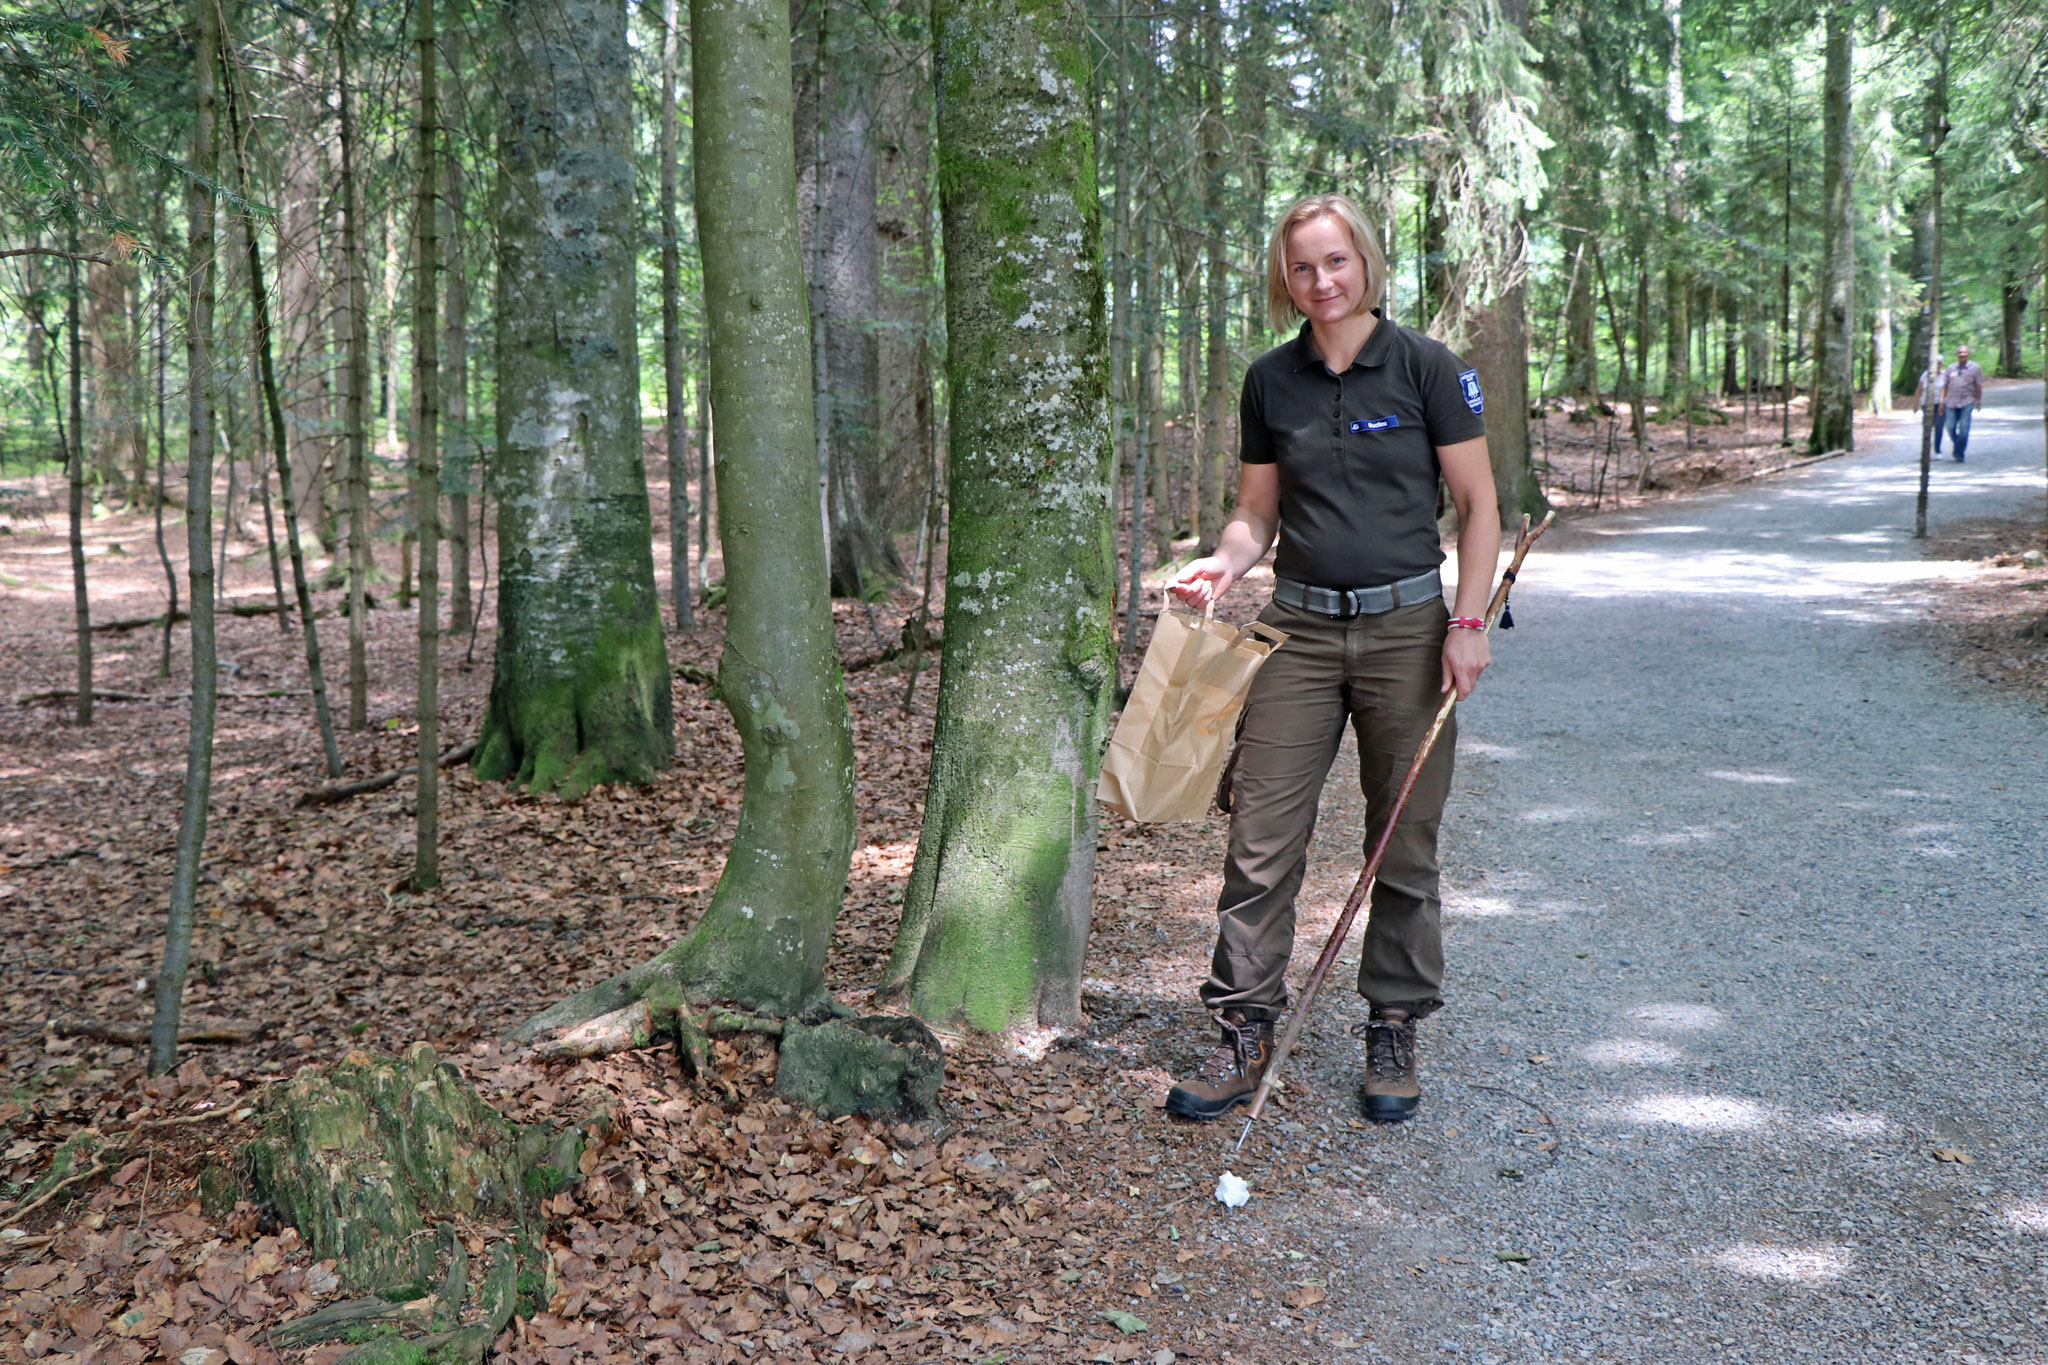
[1376, 423]
[1469, 382]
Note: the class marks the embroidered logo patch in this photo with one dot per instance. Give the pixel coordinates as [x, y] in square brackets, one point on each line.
[1376, 423]
[1469, 382]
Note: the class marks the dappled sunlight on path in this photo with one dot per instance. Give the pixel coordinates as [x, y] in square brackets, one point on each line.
[1746, 930]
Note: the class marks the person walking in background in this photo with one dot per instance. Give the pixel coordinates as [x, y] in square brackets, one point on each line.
[1962, 389]
[1933, 375]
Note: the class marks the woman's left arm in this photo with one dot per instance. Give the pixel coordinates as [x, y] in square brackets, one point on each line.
[1469, 473]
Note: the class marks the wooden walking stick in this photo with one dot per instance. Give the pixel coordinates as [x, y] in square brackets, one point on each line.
[1524, 539]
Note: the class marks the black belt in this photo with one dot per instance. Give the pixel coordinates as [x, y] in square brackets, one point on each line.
[1342, 603]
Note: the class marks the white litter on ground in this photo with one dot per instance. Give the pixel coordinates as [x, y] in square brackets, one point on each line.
[1231, 1192]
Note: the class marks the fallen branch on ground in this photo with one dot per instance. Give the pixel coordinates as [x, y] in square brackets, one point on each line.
[67, 693]
[1782, 468]
[192, 1031]
[138, 622]
[327, 796]
[47, 1195]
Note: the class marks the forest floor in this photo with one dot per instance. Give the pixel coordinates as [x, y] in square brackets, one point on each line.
[1052, 1213]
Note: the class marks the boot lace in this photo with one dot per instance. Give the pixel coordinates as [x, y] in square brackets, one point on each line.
[1389, 1047]
[1232, 1053]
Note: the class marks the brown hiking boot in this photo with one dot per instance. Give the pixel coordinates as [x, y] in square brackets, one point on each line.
[1392, 1092]
[1230, 1074]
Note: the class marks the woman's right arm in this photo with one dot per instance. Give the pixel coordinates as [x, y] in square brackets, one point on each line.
[1246, 538]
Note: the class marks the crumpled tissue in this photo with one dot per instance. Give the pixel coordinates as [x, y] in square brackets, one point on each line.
[1231, 1192]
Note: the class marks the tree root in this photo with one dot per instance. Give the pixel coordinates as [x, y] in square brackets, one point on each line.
[387, 1322]
[837, 1064]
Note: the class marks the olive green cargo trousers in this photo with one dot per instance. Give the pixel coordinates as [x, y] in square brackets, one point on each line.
[1382, 673]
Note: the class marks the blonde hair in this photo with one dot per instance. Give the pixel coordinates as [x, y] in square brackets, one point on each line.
[1280, 309]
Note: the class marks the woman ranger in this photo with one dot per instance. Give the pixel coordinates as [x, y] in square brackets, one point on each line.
[1345, 431]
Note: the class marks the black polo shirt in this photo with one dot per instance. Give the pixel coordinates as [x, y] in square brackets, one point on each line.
[1357, 452]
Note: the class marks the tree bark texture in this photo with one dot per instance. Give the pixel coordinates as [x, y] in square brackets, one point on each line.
[461, 467]
[2013, 321]
[850, 295]
[199, 435]
[996, 916]
[307, 302]
[1834, 380]
[762, 942]
[674, 395]
[426, 384]
[1499, 350]
[273, 406]
[1920, 266]
[580, 694]
[355, 408]
[117, 431]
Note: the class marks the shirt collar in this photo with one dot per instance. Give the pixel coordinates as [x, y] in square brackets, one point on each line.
[1373, 353]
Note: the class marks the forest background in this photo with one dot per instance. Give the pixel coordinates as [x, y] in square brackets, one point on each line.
[1649, 226]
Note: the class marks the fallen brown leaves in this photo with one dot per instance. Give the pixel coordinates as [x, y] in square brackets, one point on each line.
[1994, 621]
[712, 1224]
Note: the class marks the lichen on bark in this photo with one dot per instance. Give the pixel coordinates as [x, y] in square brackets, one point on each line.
[580, 691]
[997, 911]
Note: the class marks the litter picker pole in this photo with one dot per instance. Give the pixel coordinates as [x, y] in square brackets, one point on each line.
[1523, 541]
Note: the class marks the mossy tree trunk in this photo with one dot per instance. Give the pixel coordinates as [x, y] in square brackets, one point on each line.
[580, 694]
[762, 943]
[996, 917]
[1834, 385]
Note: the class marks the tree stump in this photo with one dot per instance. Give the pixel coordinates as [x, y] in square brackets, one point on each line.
[364, 1156]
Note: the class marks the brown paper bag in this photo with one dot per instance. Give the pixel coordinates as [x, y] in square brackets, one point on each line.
[1169, 748]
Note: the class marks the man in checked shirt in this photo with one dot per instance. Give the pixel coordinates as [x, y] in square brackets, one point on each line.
[1962, 390]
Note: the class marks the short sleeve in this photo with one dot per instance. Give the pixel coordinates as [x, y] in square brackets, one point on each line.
[1254, 438]
[1452, 402]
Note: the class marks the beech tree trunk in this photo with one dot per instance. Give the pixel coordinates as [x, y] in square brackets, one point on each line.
[996, 916]
[677, 441]
[850, 295]
[1834, 379]
[763, 940]
[580, 694]
[199, 434]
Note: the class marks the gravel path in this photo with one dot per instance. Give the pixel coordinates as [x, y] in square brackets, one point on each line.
[1749, 930]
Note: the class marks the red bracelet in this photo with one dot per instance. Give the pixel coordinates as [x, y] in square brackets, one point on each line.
[1467, 623]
